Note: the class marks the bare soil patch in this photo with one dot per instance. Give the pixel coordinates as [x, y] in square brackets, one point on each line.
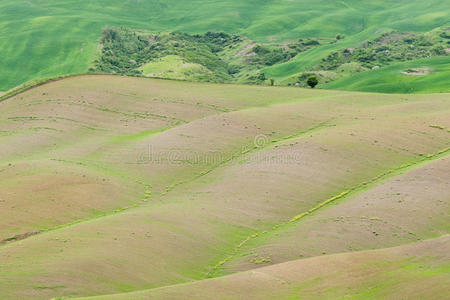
[418, 72]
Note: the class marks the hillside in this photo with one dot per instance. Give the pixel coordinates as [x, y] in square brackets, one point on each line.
[135, 184]
[51, 38]
[416, 271]
[220, 57]
[429, 75]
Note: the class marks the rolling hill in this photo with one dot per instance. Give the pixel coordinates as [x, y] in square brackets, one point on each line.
[42, 39]
[171, 149]
[155, 186]
[414, 271]
[433, 79]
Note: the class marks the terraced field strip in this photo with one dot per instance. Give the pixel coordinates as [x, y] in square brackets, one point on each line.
[256, 147]
[31, 85]
[148, 187]
[147, 194]
[357, 188]
[355, 275]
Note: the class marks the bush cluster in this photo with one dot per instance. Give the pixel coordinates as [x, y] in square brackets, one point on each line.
[125, 51]
[388, 48]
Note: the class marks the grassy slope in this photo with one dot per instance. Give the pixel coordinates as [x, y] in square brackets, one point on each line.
[49, 38]
[395, 210]
[416, 271]
[390, 79]
[45, 132]
[173, 67]
[180, 210]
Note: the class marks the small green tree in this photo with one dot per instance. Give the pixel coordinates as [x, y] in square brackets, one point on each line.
[312, 81]
[262, 77]
[272, 81]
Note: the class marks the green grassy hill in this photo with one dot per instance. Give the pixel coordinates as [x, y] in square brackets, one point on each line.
[50, 38]
[135, 184]
[401, 78]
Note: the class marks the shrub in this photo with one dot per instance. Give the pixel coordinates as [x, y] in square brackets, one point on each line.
[312, 81]
[261, 76]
